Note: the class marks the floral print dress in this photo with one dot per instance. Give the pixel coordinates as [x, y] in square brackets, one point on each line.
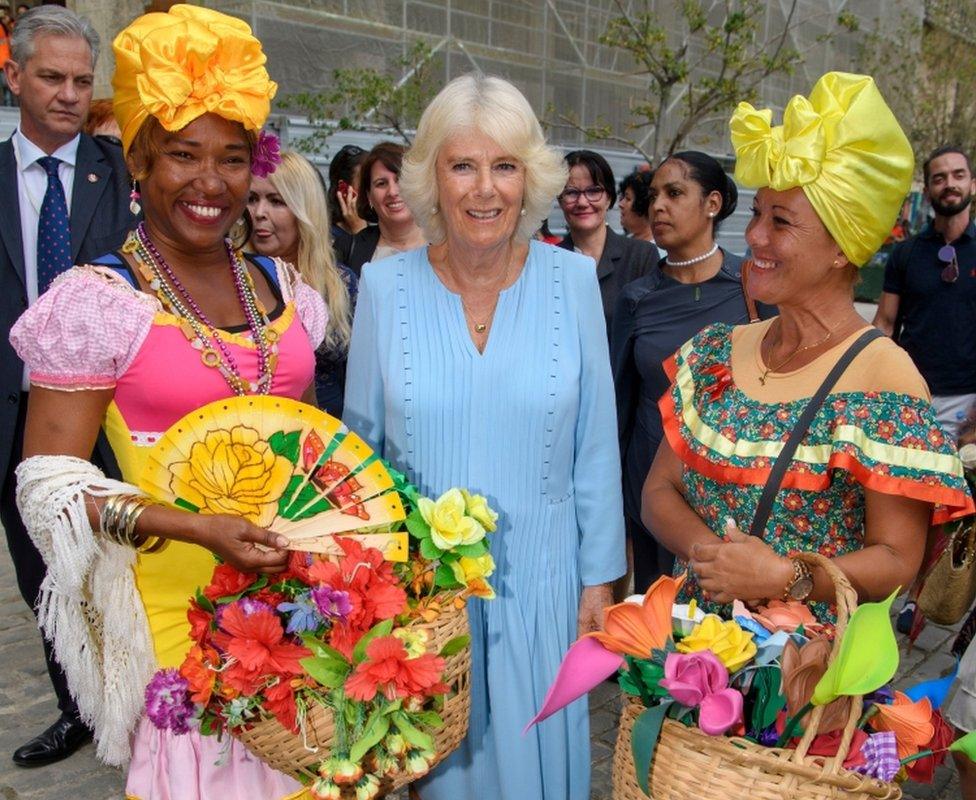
[875, 431]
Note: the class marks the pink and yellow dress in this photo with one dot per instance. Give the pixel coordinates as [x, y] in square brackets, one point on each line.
[92, 330]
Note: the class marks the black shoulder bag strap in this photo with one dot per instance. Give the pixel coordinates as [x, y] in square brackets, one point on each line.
[777, 473]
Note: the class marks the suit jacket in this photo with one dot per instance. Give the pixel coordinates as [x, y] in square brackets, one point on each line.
[100, 219]
[623, 260]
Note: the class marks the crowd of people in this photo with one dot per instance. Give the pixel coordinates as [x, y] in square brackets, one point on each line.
[620, 397]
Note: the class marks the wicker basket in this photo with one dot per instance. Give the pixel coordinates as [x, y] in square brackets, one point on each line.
[287, 752]
[690, 764]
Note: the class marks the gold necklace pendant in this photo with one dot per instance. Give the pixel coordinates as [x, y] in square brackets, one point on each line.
[480, 327]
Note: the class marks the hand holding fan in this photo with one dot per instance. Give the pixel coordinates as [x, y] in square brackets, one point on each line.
[281, 465]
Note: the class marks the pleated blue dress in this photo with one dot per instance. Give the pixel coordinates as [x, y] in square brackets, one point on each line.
[530, 423]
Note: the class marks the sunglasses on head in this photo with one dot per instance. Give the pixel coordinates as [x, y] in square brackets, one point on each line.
[947, 256]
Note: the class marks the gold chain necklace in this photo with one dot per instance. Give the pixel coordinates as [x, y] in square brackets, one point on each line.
[790, 357]
[482, 327]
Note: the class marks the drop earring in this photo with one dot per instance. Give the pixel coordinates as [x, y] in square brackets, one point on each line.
[134, 197]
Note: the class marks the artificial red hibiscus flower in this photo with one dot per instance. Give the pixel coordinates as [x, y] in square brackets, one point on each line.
[258, 642]
[387, 670]
[372, 586]
[227, 581]
[199, 622]
[280, 701]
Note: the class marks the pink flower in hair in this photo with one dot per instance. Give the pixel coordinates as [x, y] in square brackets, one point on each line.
[266, 156]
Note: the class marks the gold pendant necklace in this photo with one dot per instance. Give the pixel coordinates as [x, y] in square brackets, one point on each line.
[790, 357]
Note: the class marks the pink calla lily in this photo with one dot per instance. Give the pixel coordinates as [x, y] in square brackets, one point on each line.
[720, 711]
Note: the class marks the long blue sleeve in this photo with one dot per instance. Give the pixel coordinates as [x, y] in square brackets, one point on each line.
[596, 469]
[364, 410]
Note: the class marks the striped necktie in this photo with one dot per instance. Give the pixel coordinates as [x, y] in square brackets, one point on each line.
[53, 228]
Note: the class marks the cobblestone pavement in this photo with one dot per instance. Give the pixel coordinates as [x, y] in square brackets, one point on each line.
[27, 706]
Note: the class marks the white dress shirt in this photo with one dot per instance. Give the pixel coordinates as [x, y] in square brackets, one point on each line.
[31, 187]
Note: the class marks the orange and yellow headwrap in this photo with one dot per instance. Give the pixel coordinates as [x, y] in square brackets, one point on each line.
[180, 65]
[846, 150]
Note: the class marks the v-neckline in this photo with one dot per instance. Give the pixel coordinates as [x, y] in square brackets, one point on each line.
[460, 322]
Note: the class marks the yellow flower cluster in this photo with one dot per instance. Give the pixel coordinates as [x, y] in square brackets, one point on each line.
[733, 646]
[451, 523]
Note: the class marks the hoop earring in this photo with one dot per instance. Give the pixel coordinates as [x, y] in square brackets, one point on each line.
[134, 198]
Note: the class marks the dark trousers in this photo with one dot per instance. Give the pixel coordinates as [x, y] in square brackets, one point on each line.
[28, 563]
[651, 559]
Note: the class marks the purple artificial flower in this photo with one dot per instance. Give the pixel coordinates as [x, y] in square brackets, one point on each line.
[332, 603]
[303, 615]
[266, 156]
[168, 703]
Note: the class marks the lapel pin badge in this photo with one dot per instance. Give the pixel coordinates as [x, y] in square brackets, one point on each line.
[92, 177]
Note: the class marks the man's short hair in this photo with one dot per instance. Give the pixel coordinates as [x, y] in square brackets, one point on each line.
[49, 21]
[941, 151]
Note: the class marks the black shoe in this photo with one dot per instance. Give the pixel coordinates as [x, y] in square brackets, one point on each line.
[905, 618]
[56, 743]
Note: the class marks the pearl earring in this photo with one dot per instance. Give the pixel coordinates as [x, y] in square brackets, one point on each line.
[711, 214]
[522, 213]
[433, 210]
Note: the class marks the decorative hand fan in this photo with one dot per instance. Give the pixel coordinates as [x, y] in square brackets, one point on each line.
[282, 465]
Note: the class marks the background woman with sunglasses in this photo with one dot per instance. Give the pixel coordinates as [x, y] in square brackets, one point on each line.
[589, 193]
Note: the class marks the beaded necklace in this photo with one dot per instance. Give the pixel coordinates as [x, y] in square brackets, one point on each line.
[202, 334]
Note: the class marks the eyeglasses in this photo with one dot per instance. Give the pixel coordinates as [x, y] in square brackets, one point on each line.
[570, 197]
[947, 255]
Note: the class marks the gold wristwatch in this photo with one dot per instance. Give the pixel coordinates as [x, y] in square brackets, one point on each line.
[802, 584]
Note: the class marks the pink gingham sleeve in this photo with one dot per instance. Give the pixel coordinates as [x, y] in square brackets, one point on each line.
[84, 331]
[309, 305]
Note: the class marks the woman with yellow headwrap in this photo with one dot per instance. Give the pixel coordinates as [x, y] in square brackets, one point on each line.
[873, 469]
[130, 344]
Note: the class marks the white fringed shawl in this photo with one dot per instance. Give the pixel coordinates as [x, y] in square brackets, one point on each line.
[89, 608]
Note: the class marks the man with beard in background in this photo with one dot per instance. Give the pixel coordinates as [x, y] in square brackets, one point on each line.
[929, 300]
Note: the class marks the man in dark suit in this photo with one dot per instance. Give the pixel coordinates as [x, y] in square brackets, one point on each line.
[58, 184]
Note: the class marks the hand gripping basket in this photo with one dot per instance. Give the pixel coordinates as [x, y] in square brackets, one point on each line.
[297, 756]
[689, 764]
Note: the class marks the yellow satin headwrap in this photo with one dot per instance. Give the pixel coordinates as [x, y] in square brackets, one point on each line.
[846, 150]
[180, 65]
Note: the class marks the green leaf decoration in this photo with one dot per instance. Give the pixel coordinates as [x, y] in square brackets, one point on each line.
[325, 671]
[455, 646]
[471, 550]
[286, 444]
[379, 629]
[766, 699]
[444, 578]
[965, 745]
[429, 719]
[412, 734]
[376, 727]
[260, 583]
[204, 602]
[417, 526]
[867, 657]
[643, 740]
[322, 650]
[429, 550]
[186, 505]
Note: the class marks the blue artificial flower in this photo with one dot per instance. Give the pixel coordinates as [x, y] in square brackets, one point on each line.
[303, 614]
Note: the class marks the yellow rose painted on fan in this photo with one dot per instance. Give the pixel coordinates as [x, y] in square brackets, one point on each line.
[472, 572]
[233, 472]
[449, 525]
[477, 506]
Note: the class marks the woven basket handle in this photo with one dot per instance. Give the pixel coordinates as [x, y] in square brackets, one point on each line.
[846, 599]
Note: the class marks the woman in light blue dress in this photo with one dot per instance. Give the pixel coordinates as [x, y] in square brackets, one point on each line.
[481, 361]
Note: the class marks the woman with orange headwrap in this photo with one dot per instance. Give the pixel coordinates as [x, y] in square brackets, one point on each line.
[132, 343]
[873, 468]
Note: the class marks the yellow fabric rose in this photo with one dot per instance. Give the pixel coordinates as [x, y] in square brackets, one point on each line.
[472, 572]
[733, 646]
[233, 472]
[449, 525]
[477, 506]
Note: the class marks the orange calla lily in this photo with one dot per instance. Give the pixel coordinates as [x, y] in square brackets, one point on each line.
[631, 629]
[910, 722]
